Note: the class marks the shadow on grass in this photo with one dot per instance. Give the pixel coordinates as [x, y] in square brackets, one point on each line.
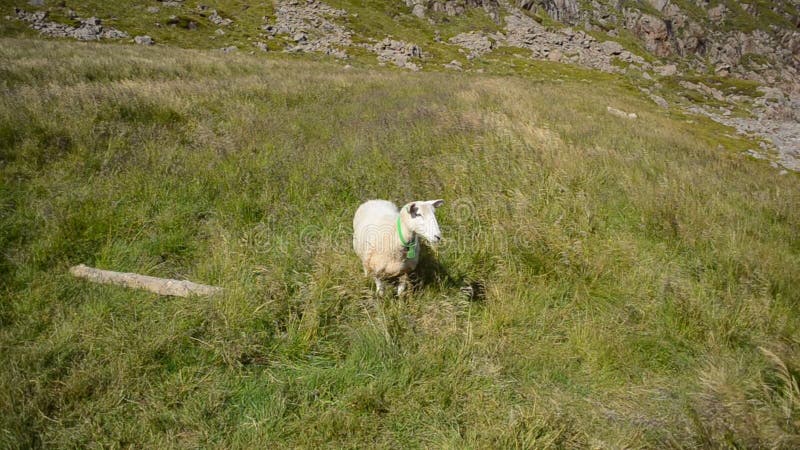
[430, 272]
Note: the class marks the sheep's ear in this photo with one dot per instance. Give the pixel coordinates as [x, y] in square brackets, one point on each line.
[437, 203]
[413, 210]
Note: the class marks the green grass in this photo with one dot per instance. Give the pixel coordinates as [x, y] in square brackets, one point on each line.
[631, 271]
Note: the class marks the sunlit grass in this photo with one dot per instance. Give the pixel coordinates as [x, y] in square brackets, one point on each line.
[628, 272]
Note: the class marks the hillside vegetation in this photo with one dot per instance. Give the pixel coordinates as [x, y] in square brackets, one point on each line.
[634, 283]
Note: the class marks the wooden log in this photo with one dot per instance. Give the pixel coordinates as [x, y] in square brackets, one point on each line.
[161, 286]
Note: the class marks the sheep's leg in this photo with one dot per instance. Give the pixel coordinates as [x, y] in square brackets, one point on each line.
[379, 286]
[402, 285]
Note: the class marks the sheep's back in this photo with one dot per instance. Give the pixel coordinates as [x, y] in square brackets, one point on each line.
[373, 225]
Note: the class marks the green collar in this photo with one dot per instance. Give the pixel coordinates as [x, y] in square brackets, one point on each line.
[410, 246]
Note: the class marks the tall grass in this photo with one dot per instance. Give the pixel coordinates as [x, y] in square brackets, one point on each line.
[634, 283]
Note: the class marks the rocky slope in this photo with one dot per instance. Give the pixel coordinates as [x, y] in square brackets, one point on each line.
[687, 54]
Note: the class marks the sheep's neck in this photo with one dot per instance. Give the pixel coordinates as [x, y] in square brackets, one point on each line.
[407, 237]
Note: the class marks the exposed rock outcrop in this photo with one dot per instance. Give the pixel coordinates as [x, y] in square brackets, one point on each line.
[653, 31]
[90, 29]
[567, 45]
[311, 27]
[477, 43]
[218, 20]
[143, 40]
[401, 54]
[718, 12]
[667, 31]
[566, 11]
[421, 8]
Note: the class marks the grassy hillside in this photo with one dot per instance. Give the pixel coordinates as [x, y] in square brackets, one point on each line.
[636, 281]
[368, 20]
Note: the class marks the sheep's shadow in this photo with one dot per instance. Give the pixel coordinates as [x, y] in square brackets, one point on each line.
[430, 272]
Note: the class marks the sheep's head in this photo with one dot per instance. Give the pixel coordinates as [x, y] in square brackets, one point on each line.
[421, 218]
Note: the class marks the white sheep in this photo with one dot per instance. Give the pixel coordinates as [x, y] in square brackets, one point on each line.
[387, 239]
